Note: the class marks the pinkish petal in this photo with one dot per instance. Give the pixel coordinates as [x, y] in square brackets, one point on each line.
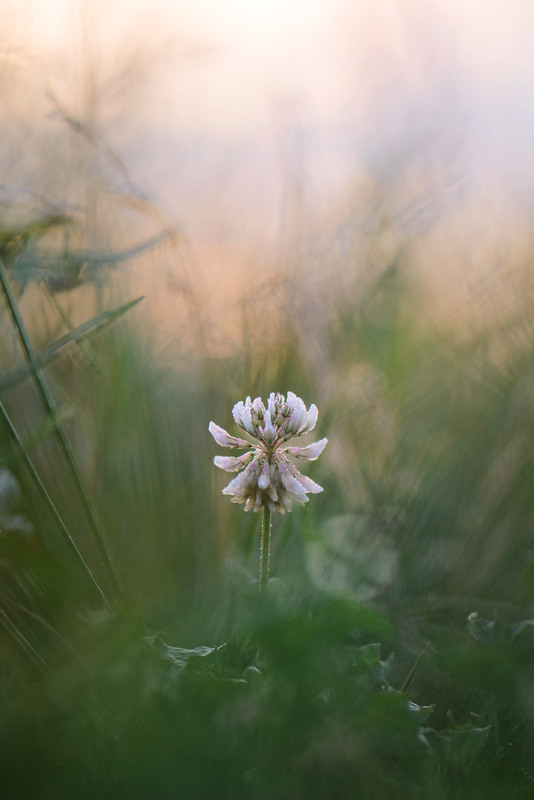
[237, 411]
[292, 485]
[233, 463]
[309, 453]
[246, 421]
[309, 485]
[311, 420]
[269, 431]
[264, 479]
[224, 439]
[259, 408]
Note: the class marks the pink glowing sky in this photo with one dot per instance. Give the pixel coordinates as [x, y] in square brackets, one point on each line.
[228, 100]
[324, 53]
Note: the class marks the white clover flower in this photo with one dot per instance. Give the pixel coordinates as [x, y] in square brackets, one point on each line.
[267, 476]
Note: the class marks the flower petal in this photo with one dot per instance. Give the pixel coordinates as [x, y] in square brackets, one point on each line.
[298, 417]
[306, 483]
[237, 411]
[265, 473]
[246, 421]
[292, 485]
[259, 408]
[309, 453]
[264, 479]
[233, 463]
[224, 439]
[311, 419]
[309, 485]
[269, 431]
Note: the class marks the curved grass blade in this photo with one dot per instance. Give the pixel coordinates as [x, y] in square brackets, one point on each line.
[48, 353]
[60, 433]
[15, 240]
[63, 271]
[27, 612]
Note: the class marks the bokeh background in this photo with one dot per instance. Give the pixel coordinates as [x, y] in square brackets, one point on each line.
[327, 197]
[278, 133]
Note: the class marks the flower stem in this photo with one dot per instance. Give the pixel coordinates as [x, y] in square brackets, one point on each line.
[265, 563]
[265, 548]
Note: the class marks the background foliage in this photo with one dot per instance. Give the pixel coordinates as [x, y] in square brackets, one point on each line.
[396, 638]
[396, 641]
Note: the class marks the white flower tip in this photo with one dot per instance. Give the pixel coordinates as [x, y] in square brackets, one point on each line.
[318, 447]
[246, 421]
[237, 411]
[269, 432]
[264, 478]
[216, 431]
[311, 418]
[309, 453]
[224, 439]
[228, 463]
[263, 481]
[309, 485]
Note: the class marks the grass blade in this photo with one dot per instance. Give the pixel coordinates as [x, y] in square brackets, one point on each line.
[48, 500]
[48, 353]
[59, 430]
[21, 641]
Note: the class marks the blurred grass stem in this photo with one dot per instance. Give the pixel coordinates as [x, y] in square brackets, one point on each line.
[21, 641]
[412, 673]
[46, 497]
[61, 435]
[75, 335]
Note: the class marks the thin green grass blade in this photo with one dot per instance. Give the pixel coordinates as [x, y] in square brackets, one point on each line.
[51, 351]
[60, 433]
[48, 500]
[4, 600]
[21, 641]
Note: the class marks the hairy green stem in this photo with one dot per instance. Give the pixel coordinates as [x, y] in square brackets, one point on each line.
[265, 564]
[265, 548]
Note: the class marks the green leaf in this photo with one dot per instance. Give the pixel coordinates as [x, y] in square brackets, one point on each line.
[459, 745]
[368, 660]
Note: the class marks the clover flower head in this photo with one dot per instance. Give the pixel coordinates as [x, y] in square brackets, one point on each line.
[267, 475]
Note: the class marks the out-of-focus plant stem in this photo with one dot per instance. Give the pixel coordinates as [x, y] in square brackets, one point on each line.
[46, 497]
[63, 440]
[21, 641]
